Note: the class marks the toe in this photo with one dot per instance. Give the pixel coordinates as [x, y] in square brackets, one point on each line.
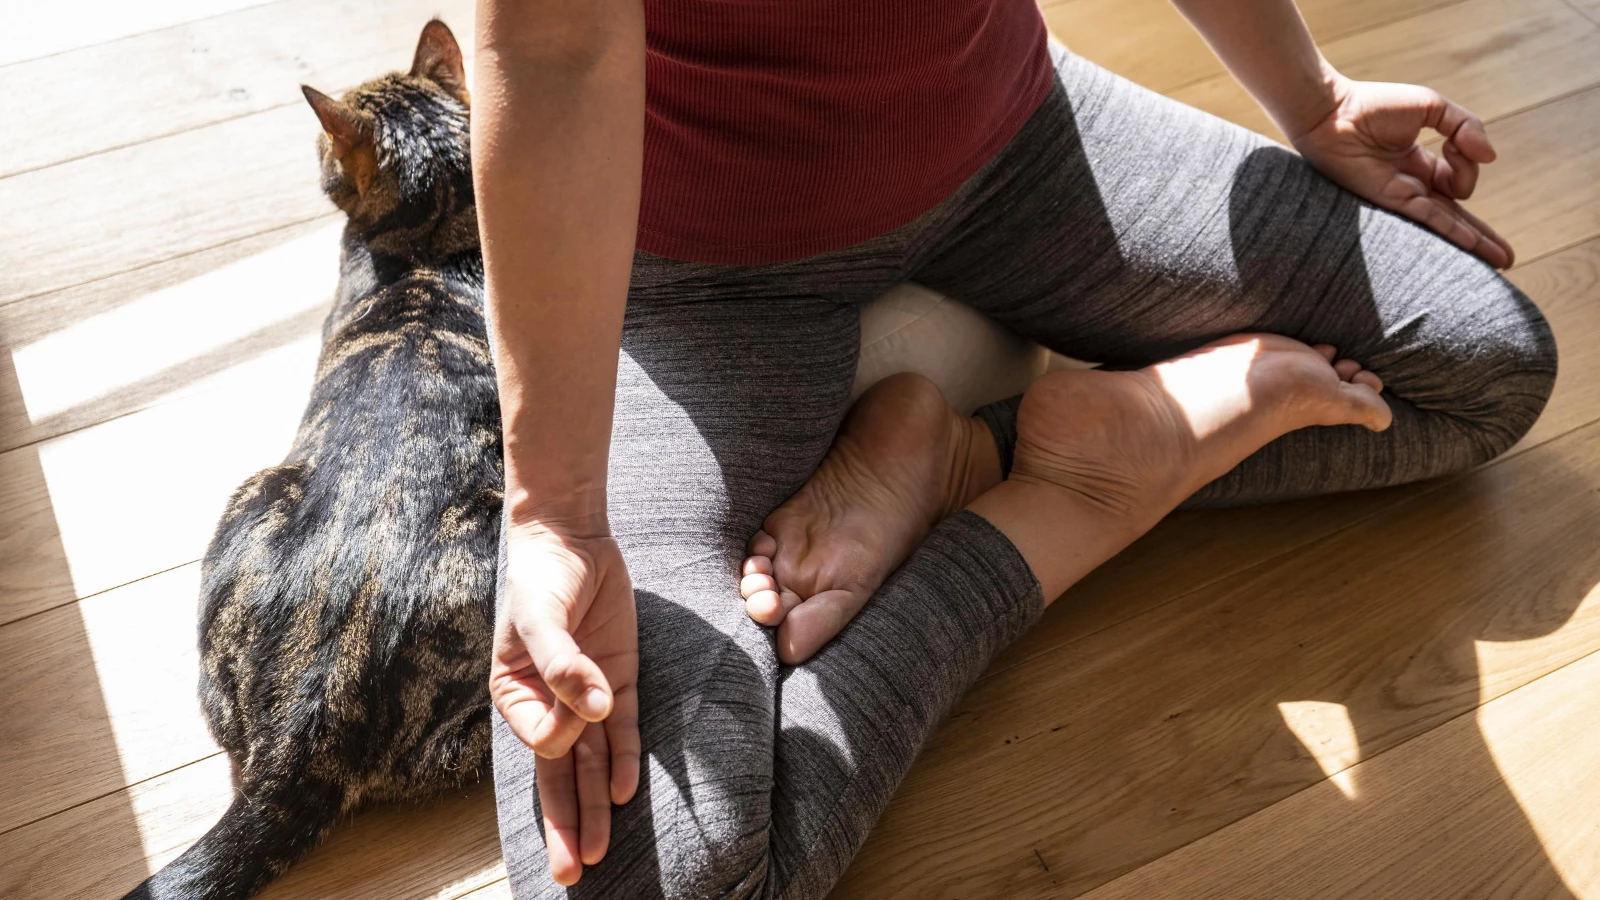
[758, 565]
[763, 544]
[1369, 379]
[1347, 368]
[772, 607]
[1365, 407]
[1326, 351]
[812, 624]
[755, 584]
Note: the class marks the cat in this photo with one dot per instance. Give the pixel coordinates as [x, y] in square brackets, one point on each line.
[348, 594]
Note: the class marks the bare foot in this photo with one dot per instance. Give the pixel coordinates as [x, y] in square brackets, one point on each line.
[902, 461]
[1120, 450]
[1100, 458]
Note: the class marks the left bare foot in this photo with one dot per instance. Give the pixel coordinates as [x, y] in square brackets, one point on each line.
[902, 461]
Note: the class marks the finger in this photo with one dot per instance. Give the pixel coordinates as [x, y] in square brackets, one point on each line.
[591, 763]
[1510, 254]
[574, 678]
[1439, 214]
[622, 736]
[1460, 126]
[1463, 172]
[812, 624]
[554, 735]
[558, 804]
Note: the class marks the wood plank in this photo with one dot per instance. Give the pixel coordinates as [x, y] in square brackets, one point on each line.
[116, 670]
[1551, 199]
[442, 849]
[222, 67]
[1590, 8]
[1495, 806]
[1193, 549]
[1565, 286]
[159, 200]
[36, 30]
[141, 494]
[161, 332]
[99, 849]
[498, 890]
[1495, 57]
[1149, 42]
[1151, 734]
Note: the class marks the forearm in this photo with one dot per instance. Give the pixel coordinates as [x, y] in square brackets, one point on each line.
[557, 138]
[1267, 47]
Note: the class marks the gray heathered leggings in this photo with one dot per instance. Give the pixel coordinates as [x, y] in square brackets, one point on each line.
[1117, 226]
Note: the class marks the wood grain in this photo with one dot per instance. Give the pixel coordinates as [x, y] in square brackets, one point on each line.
[41, 29]
[1555, 203]
[1149, 41]
[1590, 8]
[1495, 57]
[432, 851]
[159, 332]
[1476, 808]
[119, 669]
[115, 211]
[223, 67]
[1191, 550]
[1151, 734]
[139, 494]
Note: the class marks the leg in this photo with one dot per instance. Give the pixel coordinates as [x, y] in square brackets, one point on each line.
[757, 782]
[1124, 227]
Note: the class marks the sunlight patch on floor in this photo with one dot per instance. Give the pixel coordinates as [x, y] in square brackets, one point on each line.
[142, 493]
[1326, 732]
[140, 339]
[1545, 740]
[40, 29]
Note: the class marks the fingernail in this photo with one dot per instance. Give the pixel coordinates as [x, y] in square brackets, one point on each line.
[595, 703]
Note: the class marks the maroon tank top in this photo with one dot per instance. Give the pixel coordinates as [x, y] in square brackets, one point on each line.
[778, 129]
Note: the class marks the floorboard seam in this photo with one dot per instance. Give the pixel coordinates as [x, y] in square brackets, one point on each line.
[1473, 710]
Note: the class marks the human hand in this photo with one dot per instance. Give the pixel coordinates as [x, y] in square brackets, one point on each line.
[565, 677]
[1367, 143]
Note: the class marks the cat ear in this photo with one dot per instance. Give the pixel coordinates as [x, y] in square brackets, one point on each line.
[346, 128]
[438, 59]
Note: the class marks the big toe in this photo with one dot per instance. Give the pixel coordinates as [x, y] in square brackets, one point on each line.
[812, 624]
[1361, 405]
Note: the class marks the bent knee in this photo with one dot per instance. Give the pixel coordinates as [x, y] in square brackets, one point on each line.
[1499, 376]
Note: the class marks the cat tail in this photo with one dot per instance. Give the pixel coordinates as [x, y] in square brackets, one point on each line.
[253, 843]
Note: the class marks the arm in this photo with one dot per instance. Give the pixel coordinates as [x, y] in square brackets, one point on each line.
[557, 140]
[1362, 135]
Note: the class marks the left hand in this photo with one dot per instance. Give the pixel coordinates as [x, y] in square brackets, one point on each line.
[1367, 143]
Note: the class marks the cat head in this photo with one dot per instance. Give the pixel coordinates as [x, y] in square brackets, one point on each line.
[395, 148]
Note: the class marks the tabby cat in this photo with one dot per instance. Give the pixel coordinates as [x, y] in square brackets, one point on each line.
[348, 594]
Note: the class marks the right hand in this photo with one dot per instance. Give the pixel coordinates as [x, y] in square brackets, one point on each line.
[565, 677]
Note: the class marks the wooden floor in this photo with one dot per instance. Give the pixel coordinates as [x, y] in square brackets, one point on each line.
[1391, 695]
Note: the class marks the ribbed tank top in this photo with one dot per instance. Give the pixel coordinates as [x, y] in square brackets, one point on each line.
[779, 129]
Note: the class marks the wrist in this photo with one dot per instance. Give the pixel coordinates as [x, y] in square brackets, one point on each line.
[1315, 103]
[574, 512]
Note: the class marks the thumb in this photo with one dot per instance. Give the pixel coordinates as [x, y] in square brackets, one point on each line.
[574, 678]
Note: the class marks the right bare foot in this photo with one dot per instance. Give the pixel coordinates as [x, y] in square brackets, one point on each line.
[1123, 449]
